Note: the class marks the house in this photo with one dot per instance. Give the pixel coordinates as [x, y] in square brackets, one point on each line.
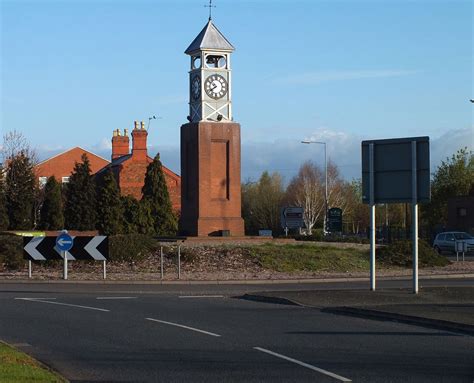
[61, 165]
[461, 213]
[129, 168]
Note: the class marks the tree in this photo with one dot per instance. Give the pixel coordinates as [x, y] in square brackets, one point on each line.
[137, 216]
[20, 192]
[261, 203]
[109, 206]
[307, 190]
[454, 177]
[157, 199]
[80, 206]
[3, 203]
[19, 180]
[51, 213]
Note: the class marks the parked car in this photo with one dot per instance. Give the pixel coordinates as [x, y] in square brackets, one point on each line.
[447, 241]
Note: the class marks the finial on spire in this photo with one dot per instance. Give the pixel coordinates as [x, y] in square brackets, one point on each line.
[210, 6]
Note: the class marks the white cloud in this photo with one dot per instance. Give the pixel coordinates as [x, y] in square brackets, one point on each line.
[311, 78]
[285, 156]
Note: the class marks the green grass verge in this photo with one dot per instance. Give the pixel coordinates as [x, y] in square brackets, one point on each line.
[310, 257]
[16, 366]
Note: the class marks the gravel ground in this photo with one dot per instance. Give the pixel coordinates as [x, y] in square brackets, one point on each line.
[207, 263]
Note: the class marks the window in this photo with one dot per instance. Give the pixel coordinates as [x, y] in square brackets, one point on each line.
[449, 237]
[462, 211]
[42, 181]
[65, 180]
[441, 237]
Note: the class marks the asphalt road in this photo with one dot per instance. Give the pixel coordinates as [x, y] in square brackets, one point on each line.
[153, 333]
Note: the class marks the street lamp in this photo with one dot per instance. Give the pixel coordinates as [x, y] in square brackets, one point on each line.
[326, 180]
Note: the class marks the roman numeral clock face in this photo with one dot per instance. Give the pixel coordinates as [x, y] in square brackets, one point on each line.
[216, 86]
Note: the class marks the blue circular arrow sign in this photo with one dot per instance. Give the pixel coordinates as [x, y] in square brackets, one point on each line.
[64, 242]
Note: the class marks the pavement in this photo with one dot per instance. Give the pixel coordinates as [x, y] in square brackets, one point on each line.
[205, 333]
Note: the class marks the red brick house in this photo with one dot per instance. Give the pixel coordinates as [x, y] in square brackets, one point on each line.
[61, 165]
[128, 167]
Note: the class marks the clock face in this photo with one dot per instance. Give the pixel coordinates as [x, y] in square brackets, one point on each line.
[196, 87]
[216, 86]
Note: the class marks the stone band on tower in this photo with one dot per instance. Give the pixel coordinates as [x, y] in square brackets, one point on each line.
[210, 142]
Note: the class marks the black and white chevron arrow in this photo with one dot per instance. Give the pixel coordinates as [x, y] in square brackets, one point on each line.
[84, 248]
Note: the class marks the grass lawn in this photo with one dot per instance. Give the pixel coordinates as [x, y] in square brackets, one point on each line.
[16, 366]
[310, 257]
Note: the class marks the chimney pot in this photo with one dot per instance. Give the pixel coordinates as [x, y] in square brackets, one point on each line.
[142, 125]
[125, 132]
[135, 123]
[115, 133]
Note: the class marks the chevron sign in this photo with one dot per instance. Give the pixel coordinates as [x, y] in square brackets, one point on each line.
[84, 248]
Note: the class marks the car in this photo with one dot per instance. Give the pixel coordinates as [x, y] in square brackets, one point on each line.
[447, 241]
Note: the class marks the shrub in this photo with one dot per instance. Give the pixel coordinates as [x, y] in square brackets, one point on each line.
[11, 251]
[400, 254]
[131, 247]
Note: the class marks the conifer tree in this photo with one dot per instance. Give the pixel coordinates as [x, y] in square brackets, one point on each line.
[80, 206]
[3, 203]
[20, 191]
[155, 194]
[136, 216]
[51, 213]
[109, 206]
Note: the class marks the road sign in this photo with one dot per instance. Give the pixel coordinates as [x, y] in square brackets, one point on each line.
[393, 163]
[335, 220]
[292, 217]
[83, 248]
[64, 242]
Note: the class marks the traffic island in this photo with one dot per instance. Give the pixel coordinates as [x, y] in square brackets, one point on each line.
[443, 308]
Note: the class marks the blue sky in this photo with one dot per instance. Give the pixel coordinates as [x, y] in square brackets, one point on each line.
[336, 71]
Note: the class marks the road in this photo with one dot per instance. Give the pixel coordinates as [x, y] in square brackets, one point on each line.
[200, 333]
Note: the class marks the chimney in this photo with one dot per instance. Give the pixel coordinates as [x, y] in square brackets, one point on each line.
[139, 136]
[120, 144]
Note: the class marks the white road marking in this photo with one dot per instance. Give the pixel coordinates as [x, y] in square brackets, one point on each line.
[33, 299]
[115, 298]
[182, 326]
[200, 296]
[62, 304]
[328, 373]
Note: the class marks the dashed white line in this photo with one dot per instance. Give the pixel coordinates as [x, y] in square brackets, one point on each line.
[311, 367]
[104, 298]
[200, 296]
[62, 304]
[182, 326]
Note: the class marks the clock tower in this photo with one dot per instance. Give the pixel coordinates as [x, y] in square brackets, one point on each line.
[210, 142]
[210, 76]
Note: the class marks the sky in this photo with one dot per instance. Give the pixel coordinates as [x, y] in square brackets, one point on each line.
[72, 71]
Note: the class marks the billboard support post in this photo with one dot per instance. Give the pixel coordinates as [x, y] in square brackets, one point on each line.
[372, 218]
[414, 219]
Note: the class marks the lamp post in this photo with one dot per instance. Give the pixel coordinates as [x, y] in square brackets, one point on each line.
[326, 180]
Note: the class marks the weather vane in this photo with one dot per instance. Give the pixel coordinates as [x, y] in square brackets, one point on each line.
[210, 6]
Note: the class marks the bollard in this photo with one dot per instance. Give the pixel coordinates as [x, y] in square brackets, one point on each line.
[161, 261]
[29, 269]
[179, 261]
[105, 270]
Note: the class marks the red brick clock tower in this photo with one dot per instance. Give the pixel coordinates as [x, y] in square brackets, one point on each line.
[210, 142]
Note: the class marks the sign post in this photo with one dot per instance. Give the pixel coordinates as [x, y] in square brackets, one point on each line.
[414, 206]
[64, 243]
[396, 171]
[291, 218]
[372, 218]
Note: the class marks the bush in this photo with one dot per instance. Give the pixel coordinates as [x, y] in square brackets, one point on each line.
[400, 254]
[11, 251]
[131, 247]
